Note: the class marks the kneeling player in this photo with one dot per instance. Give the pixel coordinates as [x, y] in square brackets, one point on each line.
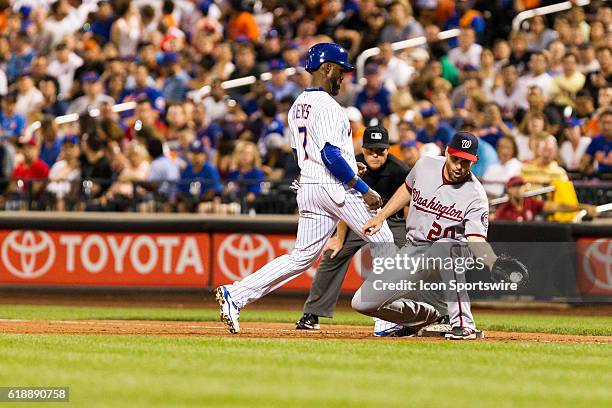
[447, 222]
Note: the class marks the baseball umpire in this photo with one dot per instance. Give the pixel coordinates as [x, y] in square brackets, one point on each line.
[385, 173]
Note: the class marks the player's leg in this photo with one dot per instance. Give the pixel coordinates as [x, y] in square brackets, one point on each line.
[380, 297]
[314, 229]
[330, 275]
[455, 296]
[315, 226]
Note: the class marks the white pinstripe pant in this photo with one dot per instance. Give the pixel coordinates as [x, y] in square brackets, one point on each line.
[319, 215]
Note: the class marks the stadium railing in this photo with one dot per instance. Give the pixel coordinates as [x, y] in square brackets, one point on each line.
[189, 196]
[523, 16]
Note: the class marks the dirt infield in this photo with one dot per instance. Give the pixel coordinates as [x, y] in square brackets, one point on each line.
[249, 330]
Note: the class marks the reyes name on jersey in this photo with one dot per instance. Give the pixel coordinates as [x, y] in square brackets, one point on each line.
[315, 119]
[441, 209]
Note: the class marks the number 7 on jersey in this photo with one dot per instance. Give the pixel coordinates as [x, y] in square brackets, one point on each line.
[302, 131]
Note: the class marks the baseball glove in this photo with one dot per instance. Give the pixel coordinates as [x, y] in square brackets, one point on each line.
[509, 269]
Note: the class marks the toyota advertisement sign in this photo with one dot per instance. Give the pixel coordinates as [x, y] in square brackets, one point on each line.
[104, 259]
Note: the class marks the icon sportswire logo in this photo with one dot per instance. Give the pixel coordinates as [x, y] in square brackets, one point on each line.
[27, 254]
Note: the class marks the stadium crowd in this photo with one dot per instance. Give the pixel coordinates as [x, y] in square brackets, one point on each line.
[539, 98]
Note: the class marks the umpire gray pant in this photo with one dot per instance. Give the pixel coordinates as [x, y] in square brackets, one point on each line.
[330, 274]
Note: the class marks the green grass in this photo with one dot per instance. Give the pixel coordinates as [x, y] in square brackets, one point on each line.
[581, 325]
[139, 371]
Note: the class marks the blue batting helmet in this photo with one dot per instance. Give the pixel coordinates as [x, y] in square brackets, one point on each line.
[327, 52]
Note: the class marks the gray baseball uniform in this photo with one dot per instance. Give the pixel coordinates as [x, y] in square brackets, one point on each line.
[441, 217]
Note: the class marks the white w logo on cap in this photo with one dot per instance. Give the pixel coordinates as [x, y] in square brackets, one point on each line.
[465, 144]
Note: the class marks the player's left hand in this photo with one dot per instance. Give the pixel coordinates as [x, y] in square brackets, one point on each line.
[509, 269]
[295, 185]
[372, 199]
[361, 169]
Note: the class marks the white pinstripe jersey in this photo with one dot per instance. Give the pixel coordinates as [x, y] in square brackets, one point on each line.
[441, 209]
[316, 119]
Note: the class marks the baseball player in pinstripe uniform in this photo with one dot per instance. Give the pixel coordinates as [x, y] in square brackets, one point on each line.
[384, 173]
[330, 189]
[447, 219]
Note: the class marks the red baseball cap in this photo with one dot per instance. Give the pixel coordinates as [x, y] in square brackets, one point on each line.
[464, 145]
[515, 181]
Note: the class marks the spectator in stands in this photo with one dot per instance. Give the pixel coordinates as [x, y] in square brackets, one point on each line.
[538, 76]
[374, 100]
[132, 168]
[142, 89]
[539, 36]
[520, 208]
[270, 128]
[175, 87]
[409, 152]
[401, 25]
[357, 127]
[512, 95]
[544, 168]
[468, 52]
[573, 148]
[63, 67]
[164, 173]
[496, 176]
[245, 65]
[519, 57]
[32, 169]
[395, 72]
[51, 104]
[127, 28]
[20, 61]
[12, 122]
[200, 181]
[29, 98]
[531, 131]
[94, 96]
[587, 62]
[65, 173]
[598, 157]
[279, 84]
[51, 145]
[568, 83]
[246, 175]
[216, 102]
[537, 103]
[96, 172]
[493, 126]
[433, 130]
[241, 22]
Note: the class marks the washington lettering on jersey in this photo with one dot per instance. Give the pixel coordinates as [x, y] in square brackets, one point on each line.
[441, 209]
[434, 206]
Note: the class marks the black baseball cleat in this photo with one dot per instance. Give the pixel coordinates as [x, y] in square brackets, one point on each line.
[308, 321]
[464, 333]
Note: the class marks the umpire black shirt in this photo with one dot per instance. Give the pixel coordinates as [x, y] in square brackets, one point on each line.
[387, 179]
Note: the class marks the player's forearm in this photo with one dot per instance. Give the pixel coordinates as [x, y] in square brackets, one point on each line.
[482, 250]
[341, 231]
[399, 200]
[340, 169]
